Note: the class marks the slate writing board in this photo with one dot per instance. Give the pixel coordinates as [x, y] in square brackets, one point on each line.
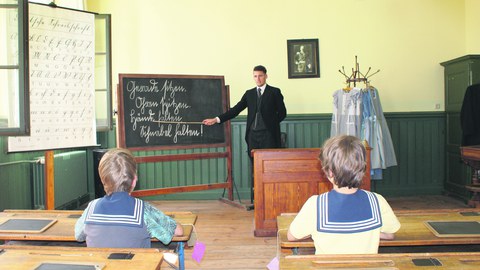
[349, 264]
[69, 266]
[470, 214]
[167, 110]
[454, 228]
[26, 225]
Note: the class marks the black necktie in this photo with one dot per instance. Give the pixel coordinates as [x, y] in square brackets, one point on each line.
[259, 92]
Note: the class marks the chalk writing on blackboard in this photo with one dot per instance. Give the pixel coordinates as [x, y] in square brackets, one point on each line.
[168, 110]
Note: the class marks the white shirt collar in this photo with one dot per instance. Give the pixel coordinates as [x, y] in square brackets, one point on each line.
[262, 88]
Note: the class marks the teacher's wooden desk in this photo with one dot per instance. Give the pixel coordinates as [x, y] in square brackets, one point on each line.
[30, 257]
[63, 228]
[413, 231]
[404, 261]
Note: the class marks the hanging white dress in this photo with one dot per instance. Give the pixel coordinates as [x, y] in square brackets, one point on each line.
[347, 112]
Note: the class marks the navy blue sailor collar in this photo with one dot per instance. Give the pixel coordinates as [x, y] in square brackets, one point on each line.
[119, 209]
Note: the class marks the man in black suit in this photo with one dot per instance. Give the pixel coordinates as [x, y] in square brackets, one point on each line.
[266, 110]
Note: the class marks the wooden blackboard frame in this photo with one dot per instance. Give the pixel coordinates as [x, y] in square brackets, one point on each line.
[227, 153]
[123, 142]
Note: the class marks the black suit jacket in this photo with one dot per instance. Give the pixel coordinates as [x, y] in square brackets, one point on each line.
[470, 116]
[273, 110]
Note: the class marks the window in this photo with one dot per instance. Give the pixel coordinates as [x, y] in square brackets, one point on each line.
[14, 113]
[103, 72]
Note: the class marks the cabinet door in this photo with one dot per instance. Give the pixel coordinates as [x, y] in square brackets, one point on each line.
[457, 79]
[457, 173]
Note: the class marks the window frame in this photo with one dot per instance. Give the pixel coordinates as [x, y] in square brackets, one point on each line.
[23, 127]
[108, 72]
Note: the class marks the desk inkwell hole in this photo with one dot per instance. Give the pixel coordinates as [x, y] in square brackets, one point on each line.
[121, 256]
[427, 262]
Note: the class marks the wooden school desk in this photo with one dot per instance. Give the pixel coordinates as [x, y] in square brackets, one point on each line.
[404, 261]
[64, 227]
[30, 257]
[413, 231]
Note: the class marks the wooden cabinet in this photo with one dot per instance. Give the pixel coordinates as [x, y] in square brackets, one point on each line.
[459, 73]
[284, 180]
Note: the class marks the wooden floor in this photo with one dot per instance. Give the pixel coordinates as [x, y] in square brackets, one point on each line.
[227, 231]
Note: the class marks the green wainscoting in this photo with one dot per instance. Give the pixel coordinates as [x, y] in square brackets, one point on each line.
[418, 138]
[419, 142]
[22, 179]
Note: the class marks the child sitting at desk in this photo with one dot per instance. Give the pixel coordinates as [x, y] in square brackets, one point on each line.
[345, 220]
[118, 219]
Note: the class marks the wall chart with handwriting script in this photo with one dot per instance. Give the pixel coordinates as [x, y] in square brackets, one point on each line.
[62, 83]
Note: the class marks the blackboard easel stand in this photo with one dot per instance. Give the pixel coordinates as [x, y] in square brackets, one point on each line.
[49, 180]
[196, 91]
[206, 96]
[183, 157]
[235, 189]
[230, 199]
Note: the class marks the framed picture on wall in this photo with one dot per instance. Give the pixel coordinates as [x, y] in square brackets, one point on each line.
[303, 58]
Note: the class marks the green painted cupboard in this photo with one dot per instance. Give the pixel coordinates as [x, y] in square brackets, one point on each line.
[459, 73]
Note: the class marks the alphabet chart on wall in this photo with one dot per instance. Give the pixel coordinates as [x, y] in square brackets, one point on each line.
[62, 90]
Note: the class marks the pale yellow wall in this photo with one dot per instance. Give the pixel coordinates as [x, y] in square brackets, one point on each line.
[472, 26]
[405, 39]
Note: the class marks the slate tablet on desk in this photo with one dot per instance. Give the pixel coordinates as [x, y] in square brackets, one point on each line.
[26, 225]
[454, 228]
[70, 266]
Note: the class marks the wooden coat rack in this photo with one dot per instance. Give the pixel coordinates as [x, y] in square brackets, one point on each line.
[357, 75]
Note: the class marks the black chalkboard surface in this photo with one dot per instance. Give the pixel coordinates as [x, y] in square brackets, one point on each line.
[454, 228]
[167, 110]
[25, 225]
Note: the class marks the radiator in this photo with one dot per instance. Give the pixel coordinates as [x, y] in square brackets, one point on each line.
[70, 179]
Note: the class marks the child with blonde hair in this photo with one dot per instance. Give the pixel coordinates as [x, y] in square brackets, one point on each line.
[118, 219]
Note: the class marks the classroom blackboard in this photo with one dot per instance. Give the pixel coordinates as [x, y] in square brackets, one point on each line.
[166, 111]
